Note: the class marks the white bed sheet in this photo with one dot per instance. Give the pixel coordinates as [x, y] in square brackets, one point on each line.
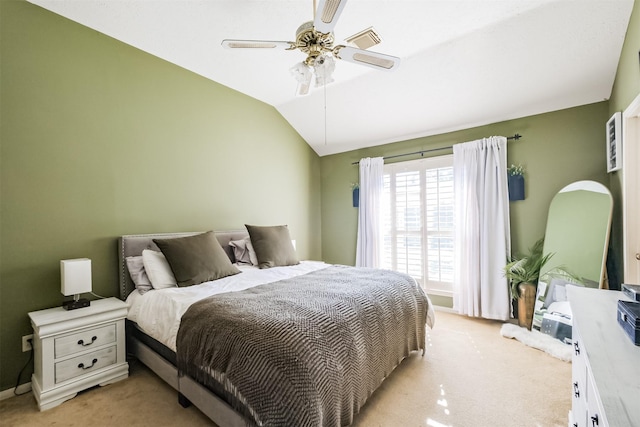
[172, 303]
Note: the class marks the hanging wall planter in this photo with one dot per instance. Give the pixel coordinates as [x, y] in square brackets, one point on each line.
[516, 187]
[516, 183]
[356, 196]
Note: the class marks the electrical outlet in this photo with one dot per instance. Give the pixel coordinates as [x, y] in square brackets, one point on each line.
[26, 345]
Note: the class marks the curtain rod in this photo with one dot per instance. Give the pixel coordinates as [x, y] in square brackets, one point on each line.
[515, 137]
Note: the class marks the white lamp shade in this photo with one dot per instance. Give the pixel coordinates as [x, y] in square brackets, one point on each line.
[75, 276]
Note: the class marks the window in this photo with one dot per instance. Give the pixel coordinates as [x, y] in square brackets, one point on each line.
[417, 221]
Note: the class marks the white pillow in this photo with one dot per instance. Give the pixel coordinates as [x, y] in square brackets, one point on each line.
[138, 274]
[158, 270]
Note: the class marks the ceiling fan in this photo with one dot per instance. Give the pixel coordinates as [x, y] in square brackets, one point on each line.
[315, 38]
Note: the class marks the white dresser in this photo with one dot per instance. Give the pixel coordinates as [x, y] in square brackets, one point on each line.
[77, 349]
[606, 364]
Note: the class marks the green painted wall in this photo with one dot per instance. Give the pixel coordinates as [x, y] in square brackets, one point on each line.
[99, 139]
[625, 89]
[556, 149]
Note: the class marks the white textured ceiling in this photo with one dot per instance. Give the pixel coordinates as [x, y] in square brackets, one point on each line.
[464, 63]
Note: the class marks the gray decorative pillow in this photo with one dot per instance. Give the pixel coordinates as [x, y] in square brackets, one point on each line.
[243, 251]
[138, 274]
[196, 259]
[272, 245]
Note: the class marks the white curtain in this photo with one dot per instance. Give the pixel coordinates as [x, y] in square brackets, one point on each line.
[369, 235]
[482, 230]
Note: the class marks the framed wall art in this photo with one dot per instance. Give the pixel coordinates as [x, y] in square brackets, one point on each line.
[614, 142]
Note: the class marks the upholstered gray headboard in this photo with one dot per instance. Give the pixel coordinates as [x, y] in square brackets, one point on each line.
[133, 245]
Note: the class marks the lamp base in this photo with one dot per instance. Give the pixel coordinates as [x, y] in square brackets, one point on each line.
[73, 304]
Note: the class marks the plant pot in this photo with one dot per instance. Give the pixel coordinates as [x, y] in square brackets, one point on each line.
[514, 308]
[516, 187]
[526, 304]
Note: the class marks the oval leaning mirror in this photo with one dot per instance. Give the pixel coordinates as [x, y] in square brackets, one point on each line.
[577, 234]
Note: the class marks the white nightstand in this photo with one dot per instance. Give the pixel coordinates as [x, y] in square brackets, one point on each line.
[77, 349]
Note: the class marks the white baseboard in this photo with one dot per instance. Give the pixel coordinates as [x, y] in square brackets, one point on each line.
[22, 388]
[445, 309]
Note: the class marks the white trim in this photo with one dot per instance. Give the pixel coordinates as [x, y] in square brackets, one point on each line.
[630, 199]
[22, 388]
[614, 125]
[633, 110]
[440, 293]
[431, 163]
[444, 309]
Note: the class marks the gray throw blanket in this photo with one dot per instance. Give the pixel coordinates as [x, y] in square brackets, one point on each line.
[306, 351]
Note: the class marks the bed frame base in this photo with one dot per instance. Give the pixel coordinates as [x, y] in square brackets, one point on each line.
[183, 401]
[189, 391]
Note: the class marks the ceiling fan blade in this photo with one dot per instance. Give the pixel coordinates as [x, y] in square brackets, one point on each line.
[257, 44]
[327, 15]
[379, 61]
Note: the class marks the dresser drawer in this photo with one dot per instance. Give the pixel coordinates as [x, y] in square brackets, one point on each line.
[84, 340]
[579, 380]
[84, 364]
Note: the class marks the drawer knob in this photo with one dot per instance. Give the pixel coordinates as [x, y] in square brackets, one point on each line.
[93, 362]
[594, 420]
[576, 391]
[81, 342]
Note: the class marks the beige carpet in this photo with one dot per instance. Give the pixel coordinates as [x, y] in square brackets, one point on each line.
[470, 377]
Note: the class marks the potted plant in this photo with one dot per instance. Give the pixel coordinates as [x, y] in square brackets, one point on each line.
[516, 182]
[355, 190]
[523, 273]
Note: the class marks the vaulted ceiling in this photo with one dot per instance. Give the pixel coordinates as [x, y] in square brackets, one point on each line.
[463, 63]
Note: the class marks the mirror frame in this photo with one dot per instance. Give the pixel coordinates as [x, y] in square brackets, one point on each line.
[562, 225]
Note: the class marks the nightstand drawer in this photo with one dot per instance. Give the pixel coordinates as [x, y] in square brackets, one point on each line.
[84, 364]
[84, 340]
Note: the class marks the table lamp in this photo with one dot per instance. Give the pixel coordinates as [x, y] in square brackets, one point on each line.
[75, 279]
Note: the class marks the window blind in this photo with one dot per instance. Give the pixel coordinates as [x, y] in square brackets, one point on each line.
[418, 221]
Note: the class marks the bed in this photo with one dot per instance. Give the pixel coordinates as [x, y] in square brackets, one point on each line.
[295, 344]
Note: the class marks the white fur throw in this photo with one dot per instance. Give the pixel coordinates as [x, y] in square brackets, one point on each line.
[537, 339]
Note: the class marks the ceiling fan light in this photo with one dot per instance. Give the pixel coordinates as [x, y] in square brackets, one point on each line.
[302, 73]
[324, 65]
[303, 89]
[322, 80]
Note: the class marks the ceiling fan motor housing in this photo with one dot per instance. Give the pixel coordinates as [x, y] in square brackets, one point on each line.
[312, 42]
